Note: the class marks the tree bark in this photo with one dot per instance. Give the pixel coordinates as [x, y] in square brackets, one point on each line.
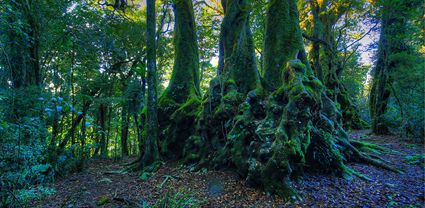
[102, 122]
[392, 41]
[282, 41]
[124, 130]
[184, 81]
[25, 66]
[151, 153]
[239, 54]
[269, 137]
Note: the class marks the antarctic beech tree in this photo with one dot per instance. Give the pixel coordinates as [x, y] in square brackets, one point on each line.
[183, 93]
[124, 129]
[102, 130]
[24, 45]
[328, 66]
[238, 76]
[270, 137]
[238, 46]
[392, 47]
[280, 44]
[20, 46]
[184, 81]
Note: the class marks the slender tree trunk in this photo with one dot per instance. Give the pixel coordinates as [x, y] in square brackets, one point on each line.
[83, 136]
[151, 153]
[140, 126]
[124, 130]
[102, 121]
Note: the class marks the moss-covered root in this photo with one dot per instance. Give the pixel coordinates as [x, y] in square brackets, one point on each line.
[368, 147]
[377, 163]
[133, 165]
[348, 172]
[368, 158]
[180, 127]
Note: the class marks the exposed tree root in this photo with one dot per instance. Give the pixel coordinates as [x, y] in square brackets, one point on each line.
[134, 165]
[348, 172]
[369, 158]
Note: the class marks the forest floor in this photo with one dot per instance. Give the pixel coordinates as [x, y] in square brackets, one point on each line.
[102, 182]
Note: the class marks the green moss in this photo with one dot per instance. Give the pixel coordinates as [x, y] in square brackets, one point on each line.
[166, 106]
[238, 45]
[368, 147]
[102, 200]
[282, 40]
[230, 82]
[192, 108]
[233, 97]
[184, 80]
[180, 127]
[145, 176]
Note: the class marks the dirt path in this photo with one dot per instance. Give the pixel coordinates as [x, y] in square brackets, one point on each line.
[102, 181]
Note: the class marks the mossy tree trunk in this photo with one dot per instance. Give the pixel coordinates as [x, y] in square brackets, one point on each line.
[238, 44]
[392, 41]
[24, 45]
[221, 44]
[151, 152]
[282, 41]
[124, 129]
[185, 76]
[102, 123]
[270, 137]
[238, 76]
[327, 64]
[21, 60]
[182, 95]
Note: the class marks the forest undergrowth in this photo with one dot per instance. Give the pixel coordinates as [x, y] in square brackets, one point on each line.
[103, 183]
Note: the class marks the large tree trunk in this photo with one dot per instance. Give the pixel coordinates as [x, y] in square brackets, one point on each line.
[269, 137]
[151, 153]
[185, 77]
[282, 41]
[239, 56]
[182, 95]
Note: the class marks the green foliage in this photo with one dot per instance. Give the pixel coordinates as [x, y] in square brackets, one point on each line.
[19, 197]
[407, 105]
